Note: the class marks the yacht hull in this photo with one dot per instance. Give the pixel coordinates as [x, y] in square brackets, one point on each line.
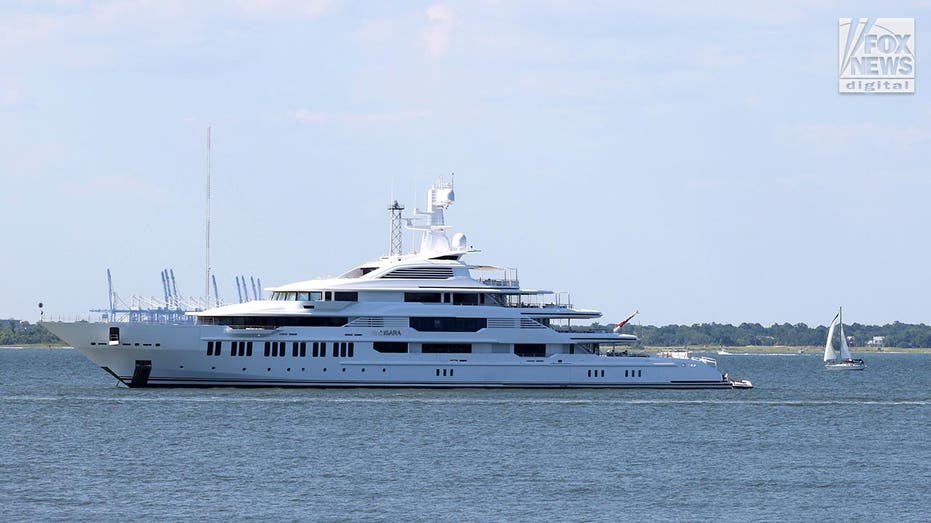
[148, 355]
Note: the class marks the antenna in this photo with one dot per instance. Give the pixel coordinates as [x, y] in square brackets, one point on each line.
[255, 295]
[245, 290]
[238, 289]
[396, 230]
[207, 256]
[261, 294]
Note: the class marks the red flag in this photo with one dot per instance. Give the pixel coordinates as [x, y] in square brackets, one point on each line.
[621, 325]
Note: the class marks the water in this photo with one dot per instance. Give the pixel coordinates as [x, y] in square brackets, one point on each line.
[806, 444]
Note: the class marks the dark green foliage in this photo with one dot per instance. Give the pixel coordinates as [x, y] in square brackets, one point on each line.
[13, 332]
[901, 335]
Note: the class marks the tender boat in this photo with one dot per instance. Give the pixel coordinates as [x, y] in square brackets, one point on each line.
[424, 319]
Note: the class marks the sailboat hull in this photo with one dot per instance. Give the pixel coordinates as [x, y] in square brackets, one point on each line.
[846, 365]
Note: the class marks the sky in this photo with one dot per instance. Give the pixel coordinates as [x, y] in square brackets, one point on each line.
[693, 161]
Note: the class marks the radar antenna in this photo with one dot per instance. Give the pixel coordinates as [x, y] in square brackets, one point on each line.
[396, 246]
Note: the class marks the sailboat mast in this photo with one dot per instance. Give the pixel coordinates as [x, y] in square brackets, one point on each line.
[207, 254]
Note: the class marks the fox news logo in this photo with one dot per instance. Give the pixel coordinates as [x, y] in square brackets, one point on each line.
[876, 55]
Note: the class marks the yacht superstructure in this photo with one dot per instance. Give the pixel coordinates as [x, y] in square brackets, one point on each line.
[423, 319]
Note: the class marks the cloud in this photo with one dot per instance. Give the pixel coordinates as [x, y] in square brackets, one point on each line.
[441, 21]
[353, 118]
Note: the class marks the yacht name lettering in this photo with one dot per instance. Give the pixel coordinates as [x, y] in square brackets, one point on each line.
[388, 332]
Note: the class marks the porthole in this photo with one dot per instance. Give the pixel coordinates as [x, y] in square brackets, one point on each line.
[344, 369]
[324, 369]
[244, 368]
[384, 370]
[363, 370]
[269, 369]
[213, 368]
[302, 369]
[182, 367]
[289, 369]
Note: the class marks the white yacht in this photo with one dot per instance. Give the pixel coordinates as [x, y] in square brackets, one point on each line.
[426, 319]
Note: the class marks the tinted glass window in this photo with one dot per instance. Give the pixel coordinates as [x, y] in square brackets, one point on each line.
[444, 348]
[427, 324]
[390, 346]
[422, 297]
[530, 350]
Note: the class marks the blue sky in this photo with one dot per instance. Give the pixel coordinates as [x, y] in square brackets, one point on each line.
[690, 160]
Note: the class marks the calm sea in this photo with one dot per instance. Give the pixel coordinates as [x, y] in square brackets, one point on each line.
[805, 444]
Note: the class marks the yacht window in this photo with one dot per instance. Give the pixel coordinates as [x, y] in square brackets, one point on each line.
[275, 321]
[303, 349]
[294, 349]
[303, 296]
[366, 270]
[530, 350]
[327, 296]
[430, 324]
[323, 350]
[267, 347]
[465, 299]
[316, 350]
[390, 346]
[249, 349]
[422, 297]
[446, 348]
[345, 296]
[209, 348]
[218, 348]
[351, 348]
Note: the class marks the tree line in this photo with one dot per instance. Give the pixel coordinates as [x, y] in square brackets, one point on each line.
[900, 335]
[15, 332]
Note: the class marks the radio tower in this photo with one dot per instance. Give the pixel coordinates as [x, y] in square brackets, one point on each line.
[395, 209]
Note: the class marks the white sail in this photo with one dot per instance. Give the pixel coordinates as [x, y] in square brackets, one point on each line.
[844, 349]
[829, 354]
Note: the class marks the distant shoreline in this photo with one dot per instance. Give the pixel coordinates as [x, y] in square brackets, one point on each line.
[782, 349]
[735, 351]
[35, 346]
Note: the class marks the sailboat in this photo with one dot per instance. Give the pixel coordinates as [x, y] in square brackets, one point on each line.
[846, 360]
